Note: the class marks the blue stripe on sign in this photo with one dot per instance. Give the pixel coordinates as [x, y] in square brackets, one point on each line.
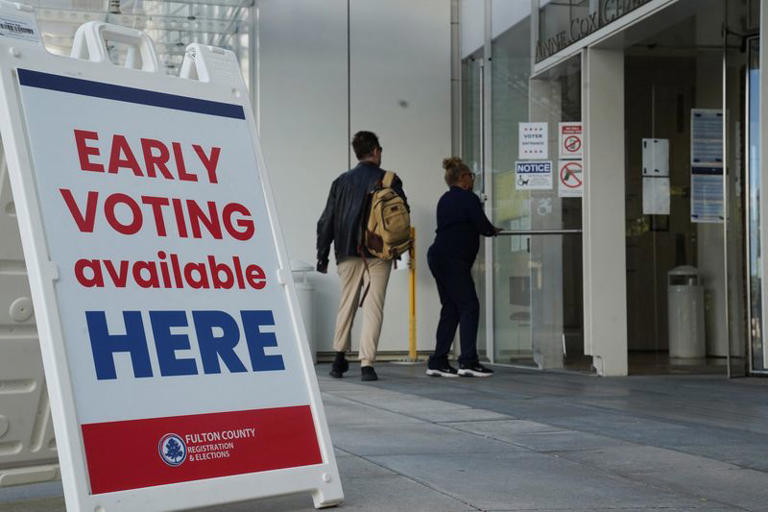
[128, 94]
[707, 171]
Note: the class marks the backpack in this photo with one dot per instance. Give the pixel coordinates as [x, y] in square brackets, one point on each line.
[387, 234]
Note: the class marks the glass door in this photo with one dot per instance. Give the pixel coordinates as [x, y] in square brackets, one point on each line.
[529, 279]
[741, 230]
[473, 154]
[538, 311]
[472, 110]
[757, 349]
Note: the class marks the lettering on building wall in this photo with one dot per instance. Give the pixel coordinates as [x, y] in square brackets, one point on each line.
[580, 27]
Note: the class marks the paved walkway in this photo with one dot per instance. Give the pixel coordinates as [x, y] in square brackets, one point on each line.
[533, 441]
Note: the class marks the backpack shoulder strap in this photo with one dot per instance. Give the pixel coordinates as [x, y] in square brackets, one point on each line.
[388, 179]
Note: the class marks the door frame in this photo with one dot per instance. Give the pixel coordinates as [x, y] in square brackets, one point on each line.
[747, 209]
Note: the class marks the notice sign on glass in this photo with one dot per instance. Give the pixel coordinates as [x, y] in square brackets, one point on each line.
[533, 175]
[707, 178]
[656, 185]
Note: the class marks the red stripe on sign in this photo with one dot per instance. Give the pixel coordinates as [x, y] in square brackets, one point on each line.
[132, 454]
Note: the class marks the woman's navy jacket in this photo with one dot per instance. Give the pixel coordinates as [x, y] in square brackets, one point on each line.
[460, 222]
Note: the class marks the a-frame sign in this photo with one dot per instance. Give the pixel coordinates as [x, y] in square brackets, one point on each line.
[174, 350]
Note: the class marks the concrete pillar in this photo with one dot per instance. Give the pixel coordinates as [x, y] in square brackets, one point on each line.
[605, 284]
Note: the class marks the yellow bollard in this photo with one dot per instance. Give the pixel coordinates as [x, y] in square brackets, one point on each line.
[412, 354]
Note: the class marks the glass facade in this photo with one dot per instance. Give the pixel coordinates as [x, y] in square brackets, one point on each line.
[753, 208]
[172, 25]
[473, 92]
[674, 61]
[510, 208]
[535, 297]
[564, 22]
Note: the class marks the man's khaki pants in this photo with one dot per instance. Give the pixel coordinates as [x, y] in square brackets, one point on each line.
[353, 277]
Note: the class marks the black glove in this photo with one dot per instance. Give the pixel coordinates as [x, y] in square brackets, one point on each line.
[322, 266]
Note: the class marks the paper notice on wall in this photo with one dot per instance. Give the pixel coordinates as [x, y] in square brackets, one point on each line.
[655, 196]
[707, 125]
[533, 175]
[655, 157]
[707, 203]
[707, 177]
[533, 141]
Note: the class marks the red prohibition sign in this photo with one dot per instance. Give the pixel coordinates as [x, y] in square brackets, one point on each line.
[570, 175]
[572, 143]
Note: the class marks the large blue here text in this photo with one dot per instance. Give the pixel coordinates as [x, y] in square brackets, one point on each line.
[217, 334]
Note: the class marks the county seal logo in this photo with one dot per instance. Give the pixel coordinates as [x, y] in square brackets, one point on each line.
[172, 450]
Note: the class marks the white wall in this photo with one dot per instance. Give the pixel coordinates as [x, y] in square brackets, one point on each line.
[400, 89]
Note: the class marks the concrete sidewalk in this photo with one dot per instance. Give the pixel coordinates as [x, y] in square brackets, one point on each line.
[527, 440]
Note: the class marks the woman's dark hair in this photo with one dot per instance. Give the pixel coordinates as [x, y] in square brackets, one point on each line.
[364, 143]
[454, 168]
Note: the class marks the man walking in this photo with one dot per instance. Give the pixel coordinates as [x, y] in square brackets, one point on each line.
[342, 223]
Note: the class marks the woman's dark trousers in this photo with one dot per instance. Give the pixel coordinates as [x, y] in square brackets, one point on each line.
[460, 307]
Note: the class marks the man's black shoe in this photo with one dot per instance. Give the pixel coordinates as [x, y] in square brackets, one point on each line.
[474, 370]
[445, 370]
[367, 373]
[340, 366]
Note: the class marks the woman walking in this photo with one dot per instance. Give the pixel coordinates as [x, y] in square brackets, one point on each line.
[460, 222]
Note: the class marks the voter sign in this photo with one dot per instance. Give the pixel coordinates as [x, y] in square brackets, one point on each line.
[571, 141]
[533, 141]
[170, 302]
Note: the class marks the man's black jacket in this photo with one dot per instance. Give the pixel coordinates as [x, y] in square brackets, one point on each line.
[342, 219]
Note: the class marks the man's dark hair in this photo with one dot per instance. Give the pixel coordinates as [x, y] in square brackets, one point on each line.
[364, 143]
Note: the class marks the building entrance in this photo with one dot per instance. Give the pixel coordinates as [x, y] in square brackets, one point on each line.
[667, 231]
[692, 192]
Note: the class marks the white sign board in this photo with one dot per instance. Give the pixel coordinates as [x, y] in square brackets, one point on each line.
[171, 336]
[533, 175]
[571, 137]
[570, 178]
[533, 141]
[707, 178]
[656, 157]
[656, 196]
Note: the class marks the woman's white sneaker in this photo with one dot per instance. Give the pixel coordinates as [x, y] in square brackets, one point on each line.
[446, 371]
[475, 370]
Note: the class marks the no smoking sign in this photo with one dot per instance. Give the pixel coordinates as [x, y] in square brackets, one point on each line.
[571, 141]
